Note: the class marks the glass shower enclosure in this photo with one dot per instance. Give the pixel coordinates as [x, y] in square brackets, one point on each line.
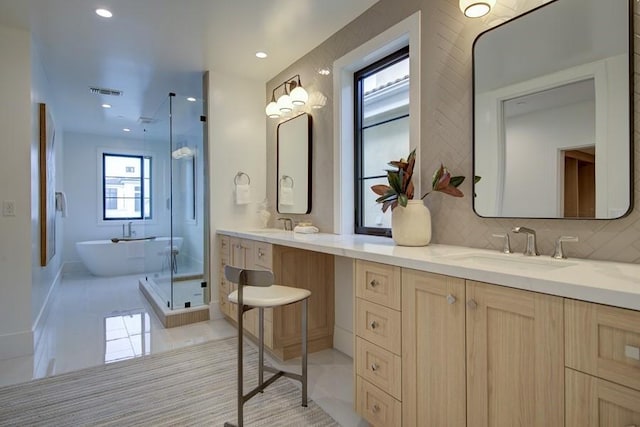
[176, 139]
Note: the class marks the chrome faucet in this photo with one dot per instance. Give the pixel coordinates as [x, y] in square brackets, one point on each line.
[506, 243]
[532, 248]
[288, 223]
[558, 253]
[129, 232]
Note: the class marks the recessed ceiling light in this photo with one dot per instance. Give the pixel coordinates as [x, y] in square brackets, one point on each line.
[104, 13]
[324, 71]
[191, 99]
[126, 130]
[106, 105]
[261, 55]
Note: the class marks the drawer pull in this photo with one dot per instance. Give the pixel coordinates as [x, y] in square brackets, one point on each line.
[375, 409]
[374, 367]
[373, 324]
[374, 283]
[451, 299]
[260, 253]
[631, 425]
[472, 304]
[632, 352]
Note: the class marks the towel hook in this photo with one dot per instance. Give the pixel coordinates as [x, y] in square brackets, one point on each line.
[286, 178]
[239, 176]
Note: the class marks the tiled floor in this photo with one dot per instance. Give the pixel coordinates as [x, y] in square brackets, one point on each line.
[101, 320]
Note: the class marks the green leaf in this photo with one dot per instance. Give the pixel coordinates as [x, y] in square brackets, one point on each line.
[395, 181]
[389, 196]
[402, 200]
[476, 179]
[456, 181]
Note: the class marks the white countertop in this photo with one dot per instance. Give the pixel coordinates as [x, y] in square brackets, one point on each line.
[612, 283]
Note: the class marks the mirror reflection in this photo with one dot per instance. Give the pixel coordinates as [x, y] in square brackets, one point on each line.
[294, 164]
[552, 129]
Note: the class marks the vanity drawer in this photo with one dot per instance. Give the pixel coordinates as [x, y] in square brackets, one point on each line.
[380, 367]
[594, 402]
[262, 255]
[376, 406]
[603, 341]
[379, 325]
[379, 283]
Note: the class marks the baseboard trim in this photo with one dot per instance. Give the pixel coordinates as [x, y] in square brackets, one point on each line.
[38, 324]
[343, 340]
[16, 345]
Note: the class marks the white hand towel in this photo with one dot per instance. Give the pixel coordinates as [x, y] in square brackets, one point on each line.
[286, 196]
[61, 203]
[243, 194]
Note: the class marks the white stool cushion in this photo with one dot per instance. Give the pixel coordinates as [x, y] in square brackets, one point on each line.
[269, 296]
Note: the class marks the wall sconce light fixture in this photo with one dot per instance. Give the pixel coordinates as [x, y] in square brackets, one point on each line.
[294, 95]
[476, 8]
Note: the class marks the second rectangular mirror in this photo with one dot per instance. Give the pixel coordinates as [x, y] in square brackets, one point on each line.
[552, 113]
[294, 165]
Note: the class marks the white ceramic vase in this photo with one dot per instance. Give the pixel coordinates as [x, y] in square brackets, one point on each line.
[411, 226]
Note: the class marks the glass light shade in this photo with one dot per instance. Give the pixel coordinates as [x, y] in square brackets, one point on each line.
[284, 104]
[476, 8]
[272, 110]
[299, 96]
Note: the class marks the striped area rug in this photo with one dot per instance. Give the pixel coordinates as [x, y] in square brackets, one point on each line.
[191, 386]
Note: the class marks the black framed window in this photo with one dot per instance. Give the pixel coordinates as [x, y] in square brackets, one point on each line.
[126, 187]
[381, 123]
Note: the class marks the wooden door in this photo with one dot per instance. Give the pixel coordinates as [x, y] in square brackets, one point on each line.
[579, 184]
[433, 350]
[594, 402]
[515, 357]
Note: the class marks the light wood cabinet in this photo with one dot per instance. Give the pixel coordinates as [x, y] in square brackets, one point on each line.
[291, 267]
[594, 402]
[378, 342]
[478, 354]
[603, 341]
[433, 350]
[515, 359]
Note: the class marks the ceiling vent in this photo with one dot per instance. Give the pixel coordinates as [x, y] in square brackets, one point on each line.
[105, 91]
[146, 120]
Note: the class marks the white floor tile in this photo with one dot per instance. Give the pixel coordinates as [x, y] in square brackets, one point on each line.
[97, 320]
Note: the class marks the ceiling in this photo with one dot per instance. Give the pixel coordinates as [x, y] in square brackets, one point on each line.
[152, 47]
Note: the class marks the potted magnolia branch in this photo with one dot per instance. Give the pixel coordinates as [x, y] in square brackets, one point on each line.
[410, 218]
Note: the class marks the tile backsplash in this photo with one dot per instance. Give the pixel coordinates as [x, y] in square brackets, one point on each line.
[446, 133]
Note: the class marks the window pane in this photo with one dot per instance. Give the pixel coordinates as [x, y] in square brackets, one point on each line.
[372, 215]
[383, 143]
[123, 180]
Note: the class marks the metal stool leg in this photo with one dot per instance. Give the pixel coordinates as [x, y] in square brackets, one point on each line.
[261, 346]
[240, 365]
[304, 352]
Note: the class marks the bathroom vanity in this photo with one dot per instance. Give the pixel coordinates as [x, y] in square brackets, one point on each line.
[455, 336]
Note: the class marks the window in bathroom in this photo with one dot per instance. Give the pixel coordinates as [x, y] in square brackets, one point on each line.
[126, 184]
[381, 134]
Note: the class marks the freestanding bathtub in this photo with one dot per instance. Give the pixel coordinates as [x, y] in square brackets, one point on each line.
[106, 258]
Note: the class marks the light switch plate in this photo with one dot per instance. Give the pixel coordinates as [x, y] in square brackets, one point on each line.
[8, 208]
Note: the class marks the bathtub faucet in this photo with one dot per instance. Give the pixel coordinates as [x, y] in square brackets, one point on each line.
[130, 232]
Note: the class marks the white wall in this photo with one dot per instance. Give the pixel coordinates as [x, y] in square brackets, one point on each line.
[43, 279]
[533, 143]
[15, 184]
[82, 177]
[236, 121]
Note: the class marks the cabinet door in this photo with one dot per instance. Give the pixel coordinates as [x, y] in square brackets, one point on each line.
[241, 253]
[308, 270]
[594, 402]
[433, 350]
[515, 357]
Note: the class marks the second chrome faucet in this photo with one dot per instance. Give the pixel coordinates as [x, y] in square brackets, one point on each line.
[531, 248]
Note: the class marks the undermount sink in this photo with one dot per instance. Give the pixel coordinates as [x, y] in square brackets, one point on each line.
[518, 261]
[268, 231]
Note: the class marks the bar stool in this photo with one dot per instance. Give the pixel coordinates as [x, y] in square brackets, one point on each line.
[256, 290]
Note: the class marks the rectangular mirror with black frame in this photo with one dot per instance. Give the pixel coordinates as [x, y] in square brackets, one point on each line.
[553, 113]
[294, 165]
